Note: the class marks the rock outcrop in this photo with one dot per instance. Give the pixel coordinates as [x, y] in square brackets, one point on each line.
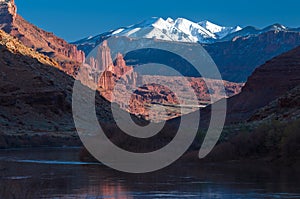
[44, 42]
[284, 109]
[116, 81]
[8, 13]
[111, 72]
[15, 46]
[158, 93]
[117, 73]
[103, 60]
[106, 82]
[120, 66]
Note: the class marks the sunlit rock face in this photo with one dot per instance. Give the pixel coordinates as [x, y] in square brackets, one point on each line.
[8, 12]
[44, 42]
[103, 59]
[121, 84]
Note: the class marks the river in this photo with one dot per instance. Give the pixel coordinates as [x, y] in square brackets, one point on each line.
[58, 173]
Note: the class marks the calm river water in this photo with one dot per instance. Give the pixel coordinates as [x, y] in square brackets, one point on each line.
[57, 173]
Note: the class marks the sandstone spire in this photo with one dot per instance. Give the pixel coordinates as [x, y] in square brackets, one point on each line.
[104, 59]
[120, 62]
[121, 68]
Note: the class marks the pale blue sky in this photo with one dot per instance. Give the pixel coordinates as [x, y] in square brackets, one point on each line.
[74, 20]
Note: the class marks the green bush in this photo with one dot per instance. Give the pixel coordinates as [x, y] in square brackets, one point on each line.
[290, 143]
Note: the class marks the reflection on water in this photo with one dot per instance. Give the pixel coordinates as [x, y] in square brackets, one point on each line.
[57, 173]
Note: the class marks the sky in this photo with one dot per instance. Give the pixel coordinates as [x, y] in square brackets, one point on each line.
[74, 20]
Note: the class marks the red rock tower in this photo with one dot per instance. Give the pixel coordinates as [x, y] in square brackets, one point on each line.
[104, 60]
[120, 66]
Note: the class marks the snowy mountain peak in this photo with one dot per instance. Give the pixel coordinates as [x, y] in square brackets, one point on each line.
[180, 29]
[183, 30]
[219, 31]
[170, 20]
[193, 29]
[160, 23]
[213, 28]
[277, 26]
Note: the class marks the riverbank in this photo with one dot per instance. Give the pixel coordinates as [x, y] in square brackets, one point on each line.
[36, 140]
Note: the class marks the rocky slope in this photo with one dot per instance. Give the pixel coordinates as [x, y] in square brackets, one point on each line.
[35, 98]
[36, 102]
[263, 120]
[271, 81]
[15, 46]
[285, 108]
[33, 37]
[267, 83]
[271, 135]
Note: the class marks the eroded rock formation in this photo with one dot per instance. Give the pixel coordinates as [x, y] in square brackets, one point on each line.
[103, 60]
[119, 83]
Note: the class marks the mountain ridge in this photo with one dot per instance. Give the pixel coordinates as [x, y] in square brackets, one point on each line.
[183, 30]
[67, 55]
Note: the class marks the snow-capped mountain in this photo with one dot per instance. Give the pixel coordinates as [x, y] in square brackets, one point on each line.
[219, 31]
[252, 31]
[180, 30]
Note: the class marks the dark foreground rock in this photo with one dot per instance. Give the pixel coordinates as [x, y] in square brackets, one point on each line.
[35, 99]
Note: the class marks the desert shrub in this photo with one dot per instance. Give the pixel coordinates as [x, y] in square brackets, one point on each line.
[274, 136]
[274, 139]
[223, 152]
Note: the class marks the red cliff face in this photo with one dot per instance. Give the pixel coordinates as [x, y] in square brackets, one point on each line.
[33, 37]
[267, 83]
[114, 73]
[107, 81]
[120, 66]
[111, 73]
